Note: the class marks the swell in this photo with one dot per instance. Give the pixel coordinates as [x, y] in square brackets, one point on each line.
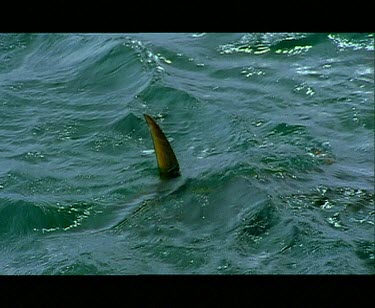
[20, 217]
[70, 92]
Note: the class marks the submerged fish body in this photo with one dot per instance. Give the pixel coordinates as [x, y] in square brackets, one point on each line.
[165, 157]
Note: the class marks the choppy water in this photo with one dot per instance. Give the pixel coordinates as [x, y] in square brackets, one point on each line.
[274, 134]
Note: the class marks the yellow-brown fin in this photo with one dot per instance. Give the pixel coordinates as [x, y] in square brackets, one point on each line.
[166, 159]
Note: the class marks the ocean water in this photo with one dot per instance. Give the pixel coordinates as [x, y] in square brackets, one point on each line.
[274, 133]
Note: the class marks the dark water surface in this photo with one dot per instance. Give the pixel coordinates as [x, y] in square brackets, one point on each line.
[274, 134]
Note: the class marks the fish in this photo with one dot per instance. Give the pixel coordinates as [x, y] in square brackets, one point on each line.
[165, 156]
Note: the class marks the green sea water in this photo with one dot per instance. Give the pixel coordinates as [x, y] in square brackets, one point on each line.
[274, 133]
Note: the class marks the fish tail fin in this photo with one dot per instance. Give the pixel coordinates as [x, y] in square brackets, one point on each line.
[166, 159]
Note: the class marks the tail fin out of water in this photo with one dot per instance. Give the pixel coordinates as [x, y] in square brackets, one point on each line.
[167, 161]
